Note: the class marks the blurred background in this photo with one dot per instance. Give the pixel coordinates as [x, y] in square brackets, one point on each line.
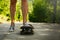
[47, 11]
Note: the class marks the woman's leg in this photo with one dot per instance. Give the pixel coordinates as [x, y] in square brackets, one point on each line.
[12, 12]
[24, 10]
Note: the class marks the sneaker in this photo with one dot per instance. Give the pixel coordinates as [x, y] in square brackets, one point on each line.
[26, 24]
[11, 29]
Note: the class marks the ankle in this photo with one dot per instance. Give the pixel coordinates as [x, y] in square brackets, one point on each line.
[12, 24]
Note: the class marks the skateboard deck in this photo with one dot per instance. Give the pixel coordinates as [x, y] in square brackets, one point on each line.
[27, 29]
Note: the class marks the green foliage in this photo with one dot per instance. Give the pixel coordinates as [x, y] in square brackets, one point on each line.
[4, 6]
[58, 14]
[4, 9]
[39, 13]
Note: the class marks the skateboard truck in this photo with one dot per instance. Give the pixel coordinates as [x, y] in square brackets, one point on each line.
[27, 30]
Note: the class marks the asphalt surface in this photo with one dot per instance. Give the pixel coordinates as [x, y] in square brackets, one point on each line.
[42, 31]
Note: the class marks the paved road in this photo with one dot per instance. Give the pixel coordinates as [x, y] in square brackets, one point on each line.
[42, 31]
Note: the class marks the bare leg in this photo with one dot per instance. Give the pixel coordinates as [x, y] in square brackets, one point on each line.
[24, 10]
[12, 11]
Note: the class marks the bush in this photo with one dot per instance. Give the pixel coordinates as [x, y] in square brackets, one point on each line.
[39, 12]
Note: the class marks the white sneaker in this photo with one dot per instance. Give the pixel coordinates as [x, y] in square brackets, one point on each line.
[11, 29]
[26, 24]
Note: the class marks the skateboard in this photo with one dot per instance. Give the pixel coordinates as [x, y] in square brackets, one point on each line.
[27, 30]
